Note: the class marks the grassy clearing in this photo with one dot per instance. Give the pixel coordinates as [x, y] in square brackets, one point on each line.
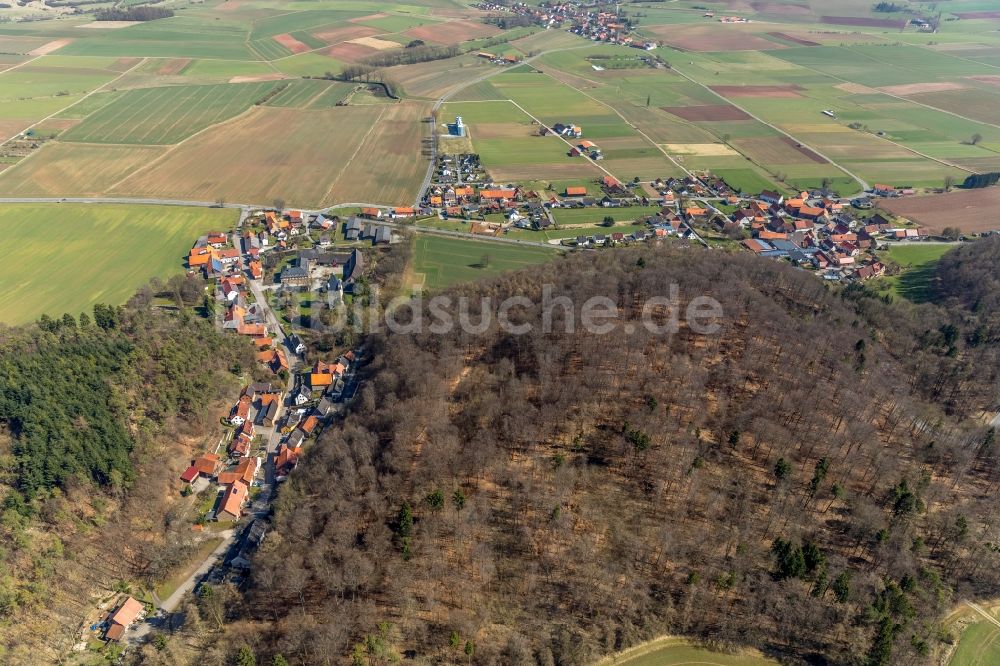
[918, 262]
[596, 215]
[979, 645]
[439, 262]
[167, 115]
[66, 257]
[679, 652]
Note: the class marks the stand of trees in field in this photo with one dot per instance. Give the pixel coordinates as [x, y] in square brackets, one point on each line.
[811, 480]
[93, 413]
[137, 13]
[977, 180]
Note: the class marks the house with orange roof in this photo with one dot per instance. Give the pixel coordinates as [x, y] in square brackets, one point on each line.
[244, 472]
[231, 505]
[256, 270]
[309, 425]
[576, 191]
[371, 213]
[227, 255]
[286, 460]
[199, 256]
[497, 194]
[122, 619]
[240, 412]
[404, 211]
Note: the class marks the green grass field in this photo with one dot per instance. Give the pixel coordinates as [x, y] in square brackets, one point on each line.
[167, 115]
[918, 262]
[979, 645]
[300, 93]
[439, 261]
[679, 652]
[597, 215]
[66, 257]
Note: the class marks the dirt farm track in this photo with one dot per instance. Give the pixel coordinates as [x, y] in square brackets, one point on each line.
[972, 211]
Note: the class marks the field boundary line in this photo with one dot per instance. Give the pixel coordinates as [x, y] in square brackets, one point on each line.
[858, 179]
[882, 92]
[20, 64]
[624, 120]
[347, 163]
[172, 147]
[69, 106]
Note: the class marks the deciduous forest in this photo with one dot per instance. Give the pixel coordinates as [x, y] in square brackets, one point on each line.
[815, 480]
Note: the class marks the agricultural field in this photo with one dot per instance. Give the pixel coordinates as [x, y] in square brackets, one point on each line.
[74, 170]
[979, 645]
[439, 261]
[679, 652]
[167, 115]
[273, 152]
[66, 257]
[964, 209]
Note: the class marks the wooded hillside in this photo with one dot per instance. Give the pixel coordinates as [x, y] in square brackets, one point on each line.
[94, 412]
[792, 483]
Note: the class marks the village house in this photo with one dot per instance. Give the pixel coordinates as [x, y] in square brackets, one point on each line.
[231, 504]
[296, 277]
[118, 622]
[244, 472]
[205, 465]
[241, 411]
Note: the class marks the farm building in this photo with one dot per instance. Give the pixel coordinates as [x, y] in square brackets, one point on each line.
[457, 128]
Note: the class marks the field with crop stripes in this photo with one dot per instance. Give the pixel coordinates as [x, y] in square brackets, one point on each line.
[167, 115]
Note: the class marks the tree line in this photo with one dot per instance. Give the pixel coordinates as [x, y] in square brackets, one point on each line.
[135, 13]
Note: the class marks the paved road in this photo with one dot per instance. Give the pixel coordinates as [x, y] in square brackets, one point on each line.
[170, 604]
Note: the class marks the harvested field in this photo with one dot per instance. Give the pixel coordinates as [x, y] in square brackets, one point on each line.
[855, 88]
[568, 170]
[387, 166]
[978, 15]
[349, 51]
[916, 88]
[981, 105]
[991, 79]
[9, 128]
[866, 22]
[292, 44]
[108, 25]
[776, 150]
[379, 44]
[504, 130]
[427, 79]
[50, 47]
[707, 112]
[711, 38]
[793, 39]
[780, 8]
[344, 33]
[700, 149]
[273, 152]
[74, 170]
[173, 66]
[972, 211]
[257, 78]
[452, 32]
[790, 90]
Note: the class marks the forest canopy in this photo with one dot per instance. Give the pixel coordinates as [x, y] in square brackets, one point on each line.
[811, 481]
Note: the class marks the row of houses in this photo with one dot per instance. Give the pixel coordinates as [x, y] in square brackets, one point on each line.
[817, 232]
